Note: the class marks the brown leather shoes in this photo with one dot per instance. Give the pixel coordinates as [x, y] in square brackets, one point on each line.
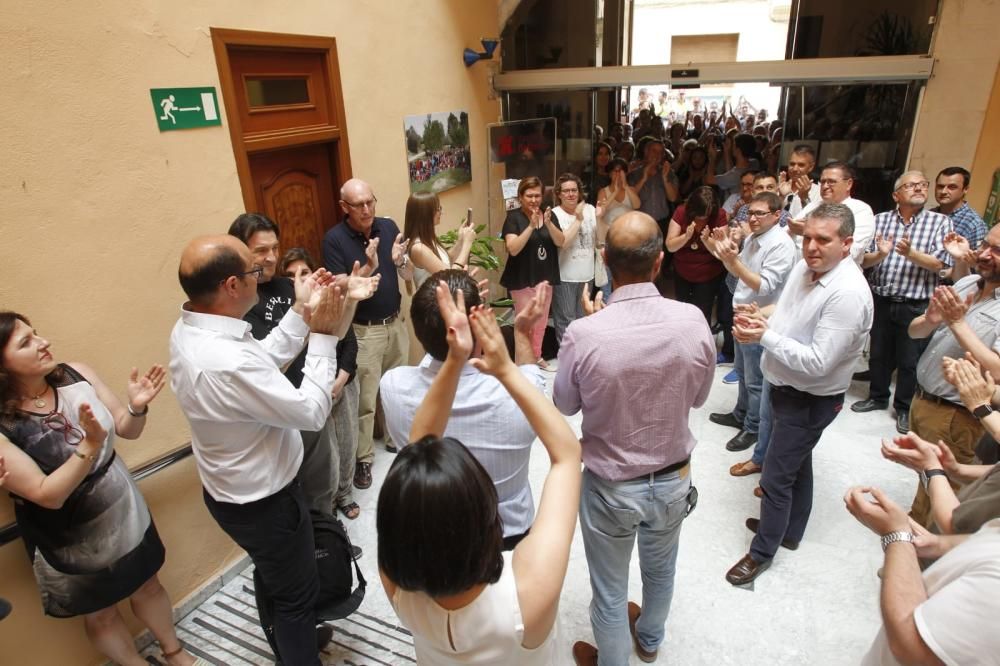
[584, 654]
[633, 616]
[745, 468]
[752, 525]
[746, 570]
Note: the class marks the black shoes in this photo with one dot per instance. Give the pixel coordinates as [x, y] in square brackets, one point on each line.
[868, 405]
[726, 419]
[752, 525]
[864, 376]
[742, 441]
[902, 421]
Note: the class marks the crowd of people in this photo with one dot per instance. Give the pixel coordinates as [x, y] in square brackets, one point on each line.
[433, 162]
[278, 365]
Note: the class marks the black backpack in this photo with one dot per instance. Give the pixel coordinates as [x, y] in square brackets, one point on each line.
[333, 562]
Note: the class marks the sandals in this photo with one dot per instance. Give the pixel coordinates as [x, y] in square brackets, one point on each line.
[350, 511]
[745, 468]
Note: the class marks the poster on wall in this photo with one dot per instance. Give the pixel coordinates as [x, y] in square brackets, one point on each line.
[437, 150]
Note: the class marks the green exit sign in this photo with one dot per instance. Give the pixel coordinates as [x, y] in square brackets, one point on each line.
[185, 108]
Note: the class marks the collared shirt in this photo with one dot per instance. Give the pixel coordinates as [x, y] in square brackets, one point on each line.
[793, 202]
[967, 223]
[864, 225]
[896, 275]
[484, 418]
[743, 215]
[342, 246]
[245, 415]
[636, 368]
[818, 330]
[983, 317]
[771, 255]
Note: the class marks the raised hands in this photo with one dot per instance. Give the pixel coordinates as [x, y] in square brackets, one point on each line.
[466, 233]
[371, 253]
[975, 387]
[456, 322]
[903, 246]
[94, 432]
[880, 514]
[884, 244]
[950, 305]
[399, 248]
[324, 313]
[591, 306]
[142, 390]
[307, 287]
[495, 360]
[958, 247]
[357, 286]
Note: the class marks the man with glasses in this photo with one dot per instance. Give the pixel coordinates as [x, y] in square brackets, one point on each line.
[958, 320]
[383, 341]
[760, 270]
[949, 189]
[835, 183]
[906, 257]
[245, 417]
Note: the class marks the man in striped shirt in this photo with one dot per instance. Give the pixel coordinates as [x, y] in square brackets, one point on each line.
[949, 190]
[906, 255]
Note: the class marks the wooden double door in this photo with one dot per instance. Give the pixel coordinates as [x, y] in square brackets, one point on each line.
[286, 119]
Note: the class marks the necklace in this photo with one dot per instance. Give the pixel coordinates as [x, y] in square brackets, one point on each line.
[38, 400]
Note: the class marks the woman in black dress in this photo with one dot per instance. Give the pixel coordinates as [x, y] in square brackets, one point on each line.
[89, 535]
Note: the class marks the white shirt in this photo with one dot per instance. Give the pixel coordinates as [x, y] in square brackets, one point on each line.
[770, 255]
[864, 225]
[796, 206]
[245, 415]
[484, 418]
[958, 620]
[576, 260]
[818, 330]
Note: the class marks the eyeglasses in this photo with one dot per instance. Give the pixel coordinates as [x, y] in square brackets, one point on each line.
[829, 181]
[369, 204]
[760, 213]
[257, 272]
[910, 187]
[994, 249]
[57, 422]
[569, 191]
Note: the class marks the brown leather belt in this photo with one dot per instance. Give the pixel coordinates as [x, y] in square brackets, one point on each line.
[930, 397]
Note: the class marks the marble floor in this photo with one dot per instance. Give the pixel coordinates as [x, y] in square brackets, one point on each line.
[817, 605]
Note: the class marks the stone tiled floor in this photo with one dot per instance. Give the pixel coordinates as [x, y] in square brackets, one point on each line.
[817, 605]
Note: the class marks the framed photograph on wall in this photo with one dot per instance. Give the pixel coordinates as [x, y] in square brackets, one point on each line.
[437, 151]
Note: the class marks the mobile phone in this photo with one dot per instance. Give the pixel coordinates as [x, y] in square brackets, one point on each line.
[468, 217]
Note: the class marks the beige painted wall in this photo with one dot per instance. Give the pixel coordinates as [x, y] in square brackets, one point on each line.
[953, 111]
[987, 152]
[99, 203]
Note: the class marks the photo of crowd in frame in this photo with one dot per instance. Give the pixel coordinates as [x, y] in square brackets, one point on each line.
[437, 150]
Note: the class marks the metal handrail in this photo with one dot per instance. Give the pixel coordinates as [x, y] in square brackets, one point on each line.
[10, 532]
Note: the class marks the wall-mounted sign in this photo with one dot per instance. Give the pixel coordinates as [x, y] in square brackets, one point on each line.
[184, 108]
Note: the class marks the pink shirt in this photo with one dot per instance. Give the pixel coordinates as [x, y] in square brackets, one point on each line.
[636, 368]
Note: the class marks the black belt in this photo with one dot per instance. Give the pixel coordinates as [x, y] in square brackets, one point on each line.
[377, 322]
[930, 397]
[902, 299]
[673, 467]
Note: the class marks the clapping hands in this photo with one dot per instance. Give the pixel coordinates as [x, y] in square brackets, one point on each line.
[975, 387]
[142, 390]
[456, 322]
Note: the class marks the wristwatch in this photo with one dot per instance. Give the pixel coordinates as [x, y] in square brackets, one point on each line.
[982, 411]
[926, 474]
[895, 537]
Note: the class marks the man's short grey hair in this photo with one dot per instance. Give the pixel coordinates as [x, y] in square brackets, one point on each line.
[912, 172]
[836, 211]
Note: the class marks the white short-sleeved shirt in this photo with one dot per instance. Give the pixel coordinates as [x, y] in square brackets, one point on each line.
[958, 620]
[576, 260]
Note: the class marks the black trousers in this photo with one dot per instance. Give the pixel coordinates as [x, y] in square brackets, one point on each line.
[277, 534]
[893, 349]
[724, 315]
[797, 422]
[700, 294]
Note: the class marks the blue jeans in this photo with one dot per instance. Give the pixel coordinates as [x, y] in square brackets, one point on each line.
[747, 364]
[611, 514]
[764, 428]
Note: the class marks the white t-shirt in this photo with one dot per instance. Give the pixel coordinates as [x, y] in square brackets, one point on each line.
[958, 622]
[576, 260]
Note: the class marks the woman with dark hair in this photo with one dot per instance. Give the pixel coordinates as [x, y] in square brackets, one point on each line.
[89, 535]
[697, 272]
[596, 173]
[694, 166]
[423, 215]
[614, 201]
[342, 426]
[532, 239]
[578, 220]
[440, 537]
